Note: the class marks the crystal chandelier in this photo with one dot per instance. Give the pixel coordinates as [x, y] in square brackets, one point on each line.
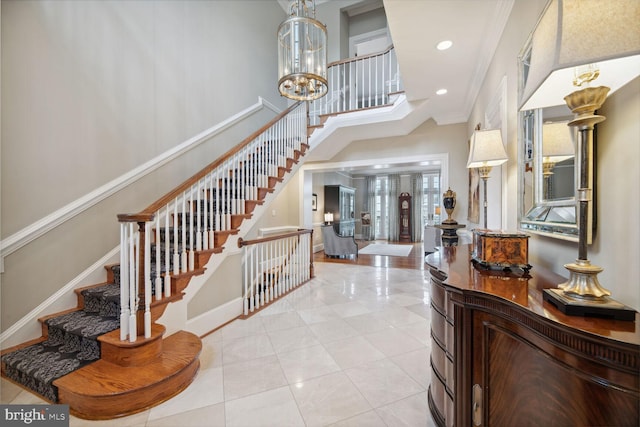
[302, 53]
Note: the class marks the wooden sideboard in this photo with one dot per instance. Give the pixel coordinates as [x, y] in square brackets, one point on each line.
[501, 356]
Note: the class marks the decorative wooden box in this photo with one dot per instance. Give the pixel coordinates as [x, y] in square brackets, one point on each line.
[500, 250]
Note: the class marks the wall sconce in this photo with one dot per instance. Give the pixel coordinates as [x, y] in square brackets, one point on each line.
[574, 43]
[486, 152]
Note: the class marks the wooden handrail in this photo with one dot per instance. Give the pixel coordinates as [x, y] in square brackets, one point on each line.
[301, 231]
[157, 205]
[359, 58]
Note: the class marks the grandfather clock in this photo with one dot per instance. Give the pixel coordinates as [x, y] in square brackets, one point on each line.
[405, 217]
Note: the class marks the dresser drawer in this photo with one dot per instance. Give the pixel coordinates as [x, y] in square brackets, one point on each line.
[449, 344]
[438, 360]
[438, 296]
[451, 380]
[438, 326]
[438, 394]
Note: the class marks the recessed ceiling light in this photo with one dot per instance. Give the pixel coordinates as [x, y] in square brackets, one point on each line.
[441, 91]
[444, 45]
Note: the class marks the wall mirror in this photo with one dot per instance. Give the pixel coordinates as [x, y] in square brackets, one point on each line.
[548, 169]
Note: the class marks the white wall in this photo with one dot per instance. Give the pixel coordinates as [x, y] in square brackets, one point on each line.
[92, 89]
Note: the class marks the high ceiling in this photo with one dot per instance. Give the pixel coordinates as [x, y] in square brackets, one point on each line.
[416, 27]
[474, 27]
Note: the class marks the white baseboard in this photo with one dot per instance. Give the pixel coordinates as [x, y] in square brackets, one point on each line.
[212, 319]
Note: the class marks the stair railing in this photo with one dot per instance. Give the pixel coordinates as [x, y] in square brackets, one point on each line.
[362, 82]
[274, 266]
[174, 237]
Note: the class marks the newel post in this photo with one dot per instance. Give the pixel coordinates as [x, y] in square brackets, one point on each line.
[141, 272]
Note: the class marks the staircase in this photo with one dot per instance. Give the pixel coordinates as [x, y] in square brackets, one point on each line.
[107, 362]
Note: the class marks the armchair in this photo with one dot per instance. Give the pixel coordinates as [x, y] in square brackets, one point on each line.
[336, 245]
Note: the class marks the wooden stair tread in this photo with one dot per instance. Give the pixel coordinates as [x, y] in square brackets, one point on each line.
[106, 379]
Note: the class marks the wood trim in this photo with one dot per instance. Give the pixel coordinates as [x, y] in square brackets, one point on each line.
[242, 242]
[189, 182]
[360, 58]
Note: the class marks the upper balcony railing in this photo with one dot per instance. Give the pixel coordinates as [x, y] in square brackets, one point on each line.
[358, 83]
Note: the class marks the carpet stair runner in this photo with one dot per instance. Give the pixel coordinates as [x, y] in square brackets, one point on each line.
[71, 341]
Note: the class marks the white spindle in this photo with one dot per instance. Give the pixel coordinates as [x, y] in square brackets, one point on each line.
[147, 280]
[133, 283]
[124, 281]
[158, 258]
[167, 254]
[246, 258]
[191, 213]
[199, 197]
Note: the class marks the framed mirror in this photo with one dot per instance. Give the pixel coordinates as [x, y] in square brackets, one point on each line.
[548, 169]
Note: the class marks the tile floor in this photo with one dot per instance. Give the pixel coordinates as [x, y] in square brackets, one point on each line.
[349, 348]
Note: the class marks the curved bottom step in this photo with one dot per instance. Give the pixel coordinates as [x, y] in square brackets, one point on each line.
[104, 390]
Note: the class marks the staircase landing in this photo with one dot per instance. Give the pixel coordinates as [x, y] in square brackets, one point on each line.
[104, 390]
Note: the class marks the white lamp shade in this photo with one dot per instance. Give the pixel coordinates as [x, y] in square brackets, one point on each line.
[328, 217]
[572, 33]
[486, 149]
[557, 142]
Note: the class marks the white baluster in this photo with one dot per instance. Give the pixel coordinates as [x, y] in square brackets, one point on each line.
[167, 254]
[184, 258]
[133, 283]
[245, 278]
[147, 280]
[191, 252]
[158, 254]
[176, 240]
[199, 196]
[124, 281]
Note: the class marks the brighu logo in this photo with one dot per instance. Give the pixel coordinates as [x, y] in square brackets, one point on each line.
[35, 415]
[25, 416]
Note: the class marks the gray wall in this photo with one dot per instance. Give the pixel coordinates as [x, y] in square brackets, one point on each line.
[93, 89]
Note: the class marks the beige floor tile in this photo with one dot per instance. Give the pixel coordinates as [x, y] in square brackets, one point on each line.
[368, 323]
[350, 309]
[327, 399]
[292, 339]
[382, 382]
[333, 330]
[306, 363]
[281, 321]
[246, 348]
[416, 365]
[135, 420]
[420, 330]
[368, 419]
[318, 314]
[253, 376]
[393, 341]
[205, 390]
[211, 354]
[275, 408]
[241, 328]
[208, 416]
[409, 412]
[353, 351]
[8, 391]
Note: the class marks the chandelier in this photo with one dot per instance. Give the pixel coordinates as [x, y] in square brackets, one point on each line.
[302, 53]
